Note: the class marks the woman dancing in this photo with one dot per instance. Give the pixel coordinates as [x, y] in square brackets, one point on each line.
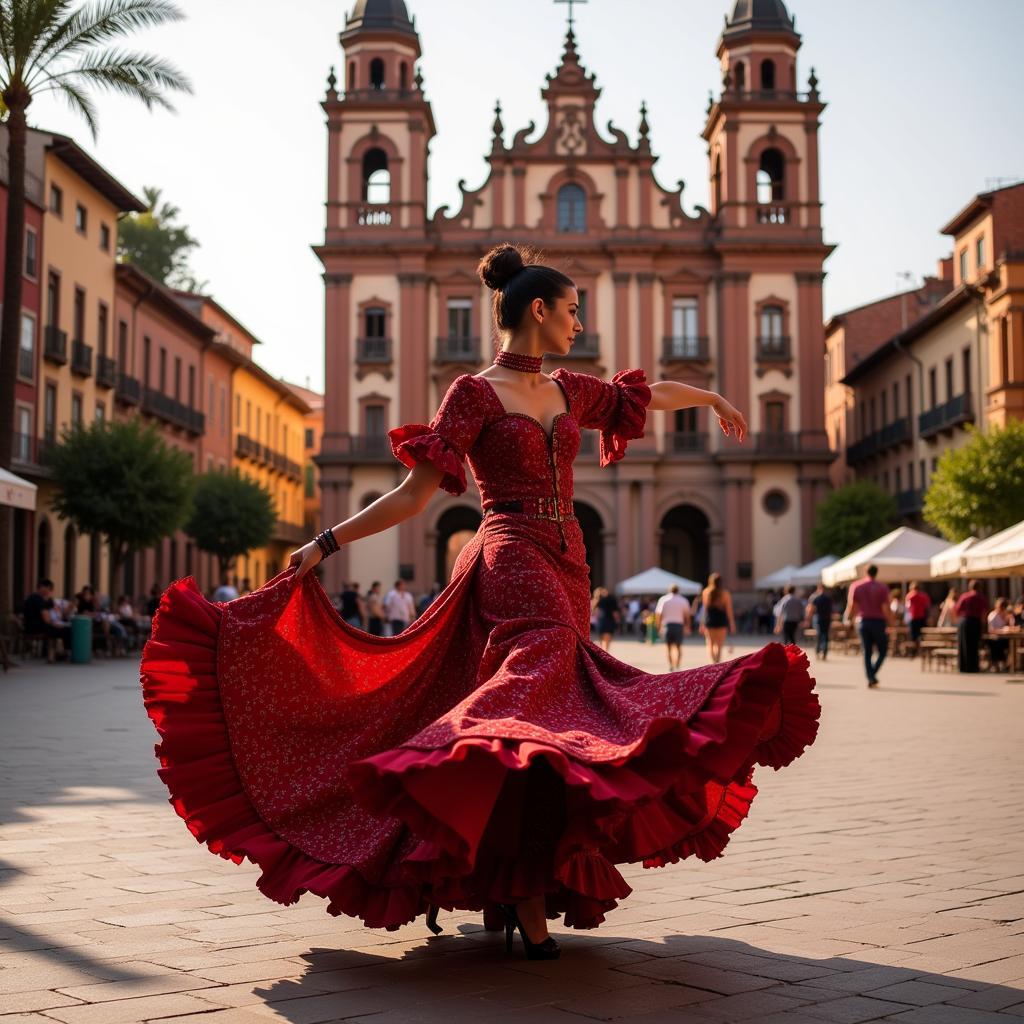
[490, 757]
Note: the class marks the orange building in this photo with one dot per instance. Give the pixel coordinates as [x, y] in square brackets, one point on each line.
[728, 297]
[313, 433]
[959, 362]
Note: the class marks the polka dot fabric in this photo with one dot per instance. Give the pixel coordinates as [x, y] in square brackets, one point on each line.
[490, 752]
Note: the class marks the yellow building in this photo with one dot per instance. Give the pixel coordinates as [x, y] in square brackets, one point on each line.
[77, 370]
[312, 435]
[268, 446]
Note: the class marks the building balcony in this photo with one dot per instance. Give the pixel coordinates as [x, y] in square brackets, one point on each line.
[774, 349]
[774, 213]
[55, 345]
[373, 215]
[128, 390]
[896, 433]
[246, 447]
[354, 449]
[685, 348]
[171, 411]
[781, 442]
[457, 349]
[737, 95]
[862, 450]
[686, 443]
[106, 372]
[584, 346]
[909, 503]
[290, 533]
[373, 350]
[946, 416]
[81, 359]
[28, 455]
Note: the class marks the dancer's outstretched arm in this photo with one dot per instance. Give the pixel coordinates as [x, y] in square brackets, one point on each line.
[406, 500]
[669, 395]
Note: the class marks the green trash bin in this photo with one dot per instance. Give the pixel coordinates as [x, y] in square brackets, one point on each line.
[81, 639]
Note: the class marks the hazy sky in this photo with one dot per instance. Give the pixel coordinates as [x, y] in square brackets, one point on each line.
[924, 110]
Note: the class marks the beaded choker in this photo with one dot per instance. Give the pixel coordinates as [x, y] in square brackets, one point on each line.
[518, 361]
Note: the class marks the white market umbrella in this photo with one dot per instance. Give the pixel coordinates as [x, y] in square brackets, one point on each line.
[999, 555]
[16, 492]
[657, 581]
[779, 578]
[809, 575]
[900, 555]
[946, 565]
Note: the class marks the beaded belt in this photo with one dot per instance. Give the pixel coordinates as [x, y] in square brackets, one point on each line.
[535, 508]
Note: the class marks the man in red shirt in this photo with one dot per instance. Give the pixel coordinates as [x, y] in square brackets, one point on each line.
[971, 612]
[869, 600]
[918, 605]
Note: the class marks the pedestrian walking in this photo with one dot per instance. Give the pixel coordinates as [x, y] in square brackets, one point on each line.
[374, 610]
[608, 615]
[819, 615]
[918, 605]
[225, 591]
[716, 602]
[971, 615]
[399, 607]
[869, 601]
[789, 613]
[672, 613]
[352, 609]
[947, 611]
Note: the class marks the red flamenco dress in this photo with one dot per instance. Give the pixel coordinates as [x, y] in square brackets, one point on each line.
[490, 752]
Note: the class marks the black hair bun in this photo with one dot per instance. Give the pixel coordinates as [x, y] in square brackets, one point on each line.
[500, 265]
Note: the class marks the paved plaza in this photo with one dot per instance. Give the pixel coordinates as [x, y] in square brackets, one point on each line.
[881, 877]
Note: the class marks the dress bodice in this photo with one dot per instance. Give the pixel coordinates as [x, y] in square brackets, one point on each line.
[511, 455]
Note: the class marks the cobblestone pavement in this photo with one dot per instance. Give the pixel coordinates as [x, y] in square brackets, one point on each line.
[881, 877]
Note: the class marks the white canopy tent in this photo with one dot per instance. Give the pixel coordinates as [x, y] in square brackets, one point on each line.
[657, 581]
[809, 575]
[999, 555]
[776, 579]
[900, 555]
[947, 564]
[16, 492]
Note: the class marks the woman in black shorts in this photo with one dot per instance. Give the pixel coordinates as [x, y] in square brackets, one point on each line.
[718, 617]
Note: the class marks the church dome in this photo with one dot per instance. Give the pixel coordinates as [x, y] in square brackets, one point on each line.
[759, 15]
[380, 16]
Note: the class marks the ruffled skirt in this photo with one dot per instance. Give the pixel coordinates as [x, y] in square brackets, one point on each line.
[489, 753]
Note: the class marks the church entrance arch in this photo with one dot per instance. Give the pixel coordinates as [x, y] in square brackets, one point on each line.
[592, 528]
[455, 529]
[686, 542]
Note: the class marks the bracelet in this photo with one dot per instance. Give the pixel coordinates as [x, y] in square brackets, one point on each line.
[327, 543]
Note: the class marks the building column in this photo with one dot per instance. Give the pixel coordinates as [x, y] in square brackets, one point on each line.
[335, 163]
[739, 538]
[645, 301]
[622, 196]
[413, 370]
[335, 493]
[519, 197]
[498, 197]
[733, 351]
[648, 553]
[624, 529]
[810, 356]
[337, 360]
[622, 331]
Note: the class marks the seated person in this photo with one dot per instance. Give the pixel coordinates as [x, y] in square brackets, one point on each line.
[41, 619]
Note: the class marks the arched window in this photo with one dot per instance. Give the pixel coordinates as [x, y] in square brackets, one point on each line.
[771, 177]
[771, 339]
[572, 209]
[768, 75]
[716, 181]
[741, 76]
[403, 77]
[377, 73]
[376, 177]
[351, 75]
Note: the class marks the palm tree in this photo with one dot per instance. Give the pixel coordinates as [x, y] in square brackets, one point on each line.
[47, 46]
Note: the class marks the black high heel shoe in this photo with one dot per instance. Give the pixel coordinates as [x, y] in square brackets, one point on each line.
[546, 950]
[432, 919]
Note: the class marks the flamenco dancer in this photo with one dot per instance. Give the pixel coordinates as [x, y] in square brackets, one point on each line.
[490, 757]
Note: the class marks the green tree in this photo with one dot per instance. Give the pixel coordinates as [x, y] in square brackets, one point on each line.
[230, 515]
[55, 46]
[156, 244]
[979, 488]
[121, 480]
[851, 517]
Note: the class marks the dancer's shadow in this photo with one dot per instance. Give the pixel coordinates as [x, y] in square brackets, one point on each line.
[607, 977]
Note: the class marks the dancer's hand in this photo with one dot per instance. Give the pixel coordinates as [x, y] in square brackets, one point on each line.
[730, 419]
[305, 558]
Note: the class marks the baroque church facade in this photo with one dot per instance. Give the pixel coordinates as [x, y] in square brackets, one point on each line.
[728, 297]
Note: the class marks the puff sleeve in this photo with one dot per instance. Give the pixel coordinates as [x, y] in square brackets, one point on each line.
[617, 408]
[446, 439]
